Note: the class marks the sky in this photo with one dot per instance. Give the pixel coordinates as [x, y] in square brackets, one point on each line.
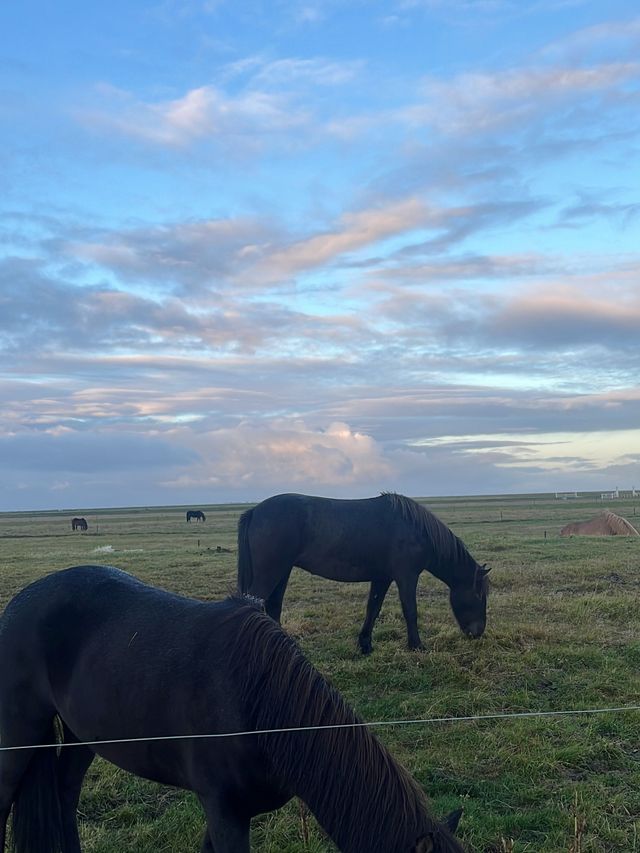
[326, 246]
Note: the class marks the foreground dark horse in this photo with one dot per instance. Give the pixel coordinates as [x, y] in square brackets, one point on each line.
[383, 539]
[114, 658]
[197, 514]
[79, 524]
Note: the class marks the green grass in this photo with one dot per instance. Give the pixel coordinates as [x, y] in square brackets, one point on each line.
[563, 632]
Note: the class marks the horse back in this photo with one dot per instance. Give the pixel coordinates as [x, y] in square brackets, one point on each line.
[350, 540]
[119, 660]
[93, 637]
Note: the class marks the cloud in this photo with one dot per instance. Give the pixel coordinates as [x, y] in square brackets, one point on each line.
[75, 452]
[246, 460]
[64, 315]
[483, 102]
[212, 254]
[466, 267]
[264, 98]
[616, 37]
[285, 454]
[593, 205]
[262, 72]
[576, 311]
[201, 254]
[202, 113]
[488, 132]
[252, 460]
[99, 318]
[565, 317]
[354, 231]
[254, 255]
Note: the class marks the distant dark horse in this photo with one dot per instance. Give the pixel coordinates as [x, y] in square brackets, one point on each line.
[86, 635]
[78, 524]
[383, 539]
[197, 514]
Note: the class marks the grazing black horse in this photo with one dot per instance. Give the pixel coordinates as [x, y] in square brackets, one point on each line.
[79, 524]
[197, 514]
[383, 539]
[113, 658]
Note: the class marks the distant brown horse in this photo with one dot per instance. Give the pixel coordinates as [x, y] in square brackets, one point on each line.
[79, 524]
[605, 524]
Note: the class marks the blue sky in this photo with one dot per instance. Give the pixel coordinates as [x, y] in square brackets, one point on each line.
[331, 247]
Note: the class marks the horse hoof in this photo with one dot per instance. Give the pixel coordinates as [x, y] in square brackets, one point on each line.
[418, 648]
[366, 647]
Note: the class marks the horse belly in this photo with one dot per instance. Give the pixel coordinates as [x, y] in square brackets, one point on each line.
[149, 732]
[129, 699]
[339, 568]
[159, 762]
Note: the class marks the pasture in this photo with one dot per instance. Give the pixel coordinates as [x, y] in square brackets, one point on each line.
[563, 633]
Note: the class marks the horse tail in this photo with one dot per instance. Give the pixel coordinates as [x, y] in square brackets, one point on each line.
[245, 566]
[37, 814]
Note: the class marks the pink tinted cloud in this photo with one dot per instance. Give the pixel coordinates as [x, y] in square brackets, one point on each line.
[250, 252]
[566, 315]
[481, 101]
[205, 112]
[285, 454]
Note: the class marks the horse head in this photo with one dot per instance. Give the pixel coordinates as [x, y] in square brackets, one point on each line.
[441, 840]
[469, 603]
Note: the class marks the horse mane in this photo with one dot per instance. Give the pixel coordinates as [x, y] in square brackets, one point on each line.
[447, 548]
[620, 525]
[280, 689]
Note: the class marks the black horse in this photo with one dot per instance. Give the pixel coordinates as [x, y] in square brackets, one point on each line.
[197, 514]
[383, 539]
[113, 658]
[79, 524]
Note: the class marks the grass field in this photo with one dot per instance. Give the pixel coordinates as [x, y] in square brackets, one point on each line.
[563, 633]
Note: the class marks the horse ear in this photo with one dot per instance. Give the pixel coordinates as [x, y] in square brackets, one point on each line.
[424, 845]
[451, 821]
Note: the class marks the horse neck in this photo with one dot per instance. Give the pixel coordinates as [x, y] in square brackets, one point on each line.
[447, 556]
[361, 797]
[363, 800]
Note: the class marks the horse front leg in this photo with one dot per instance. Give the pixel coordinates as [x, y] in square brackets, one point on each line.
[227, 831]
[374, 604]
[407, 585]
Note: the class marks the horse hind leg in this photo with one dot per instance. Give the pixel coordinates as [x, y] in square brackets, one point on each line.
[28, 783]
[72, 767]
[273, 604]
[269, 583]
[13, 766]
[374, 604]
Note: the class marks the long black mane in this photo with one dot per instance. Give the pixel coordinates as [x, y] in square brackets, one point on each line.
[326, 767]
[448, 549]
